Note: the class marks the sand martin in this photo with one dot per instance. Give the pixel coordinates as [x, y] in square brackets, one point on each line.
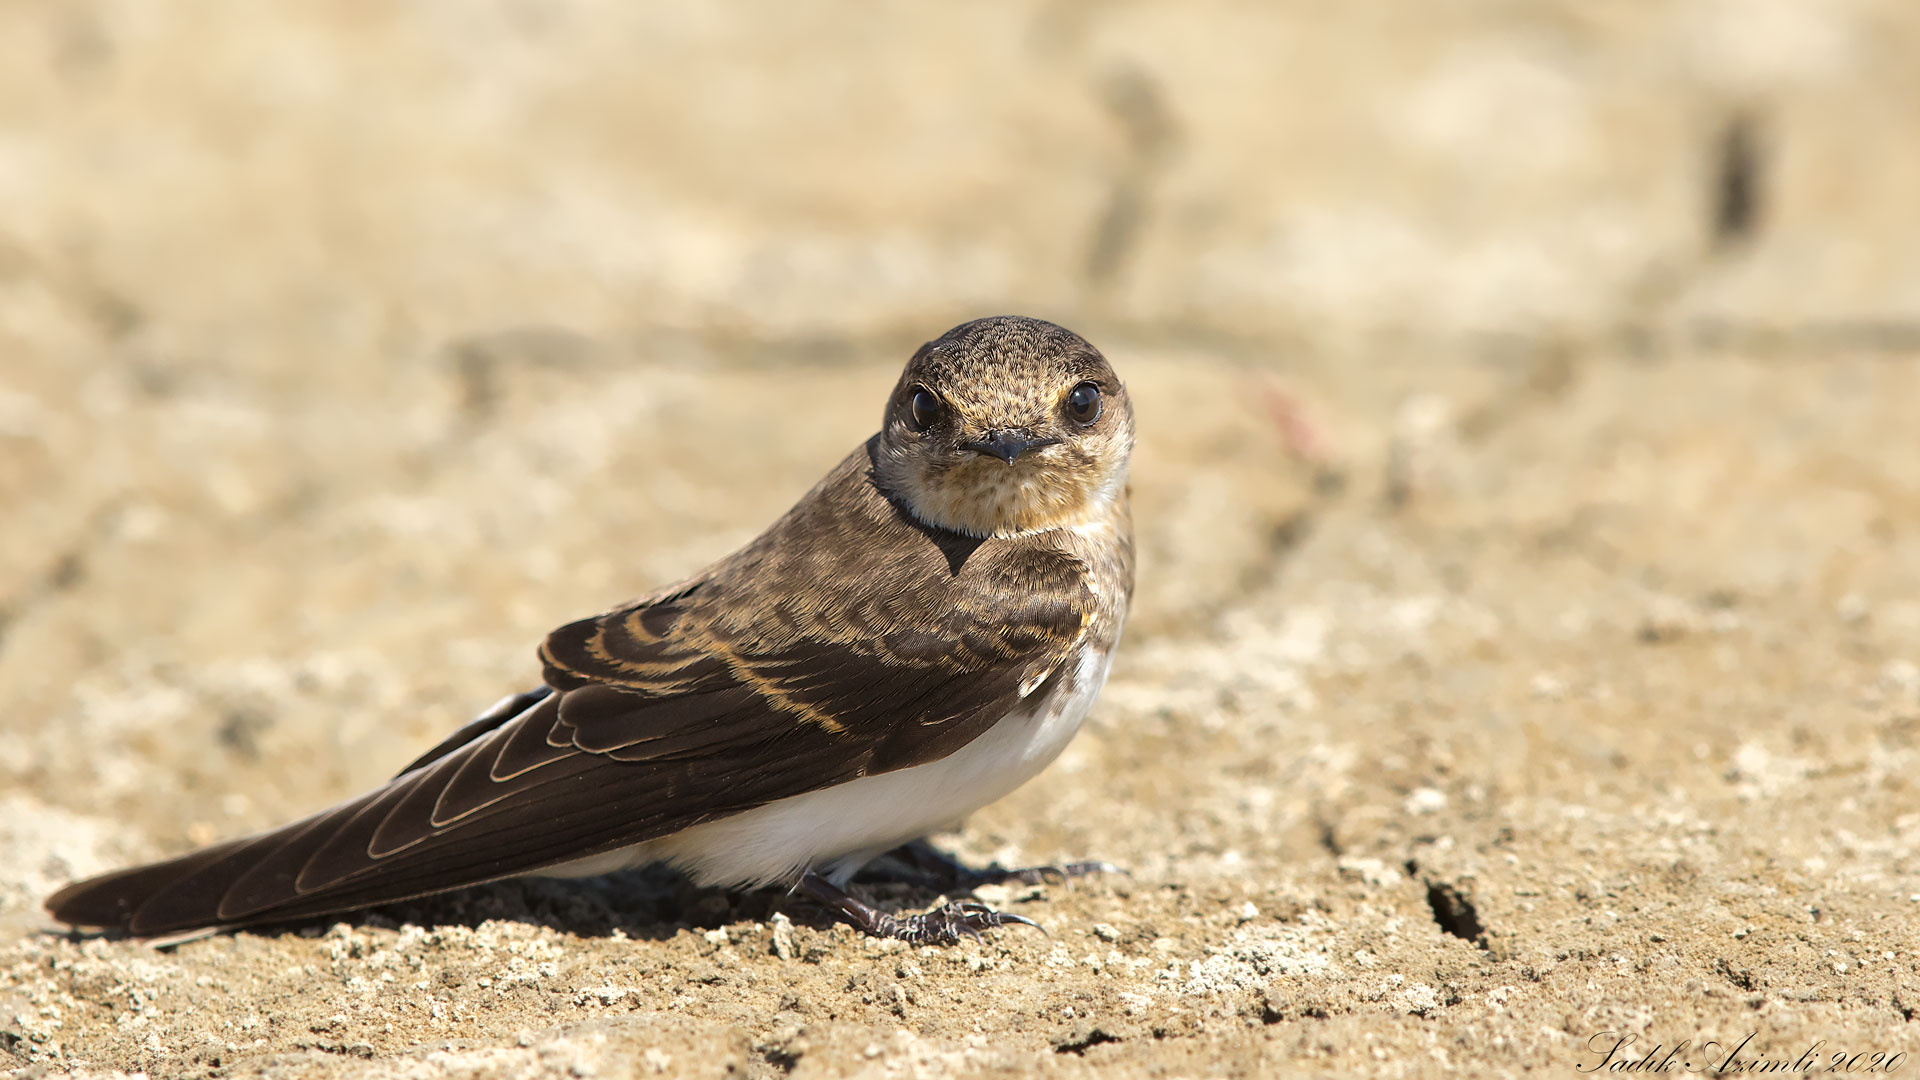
[921, 634]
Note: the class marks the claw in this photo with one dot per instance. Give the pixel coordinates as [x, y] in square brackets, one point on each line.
[946, 924]
[1020, 920]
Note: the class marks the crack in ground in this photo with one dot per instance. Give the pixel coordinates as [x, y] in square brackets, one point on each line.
[1454, 913]
[67, 571]
[1137, 104]
[1080, 1042]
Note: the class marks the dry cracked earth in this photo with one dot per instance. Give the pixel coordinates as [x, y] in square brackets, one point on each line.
[1508, 668]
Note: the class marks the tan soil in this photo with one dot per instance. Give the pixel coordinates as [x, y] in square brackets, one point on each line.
[1528, 635]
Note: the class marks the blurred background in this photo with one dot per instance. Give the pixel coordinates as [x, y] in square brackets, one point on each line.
[378, 181]
[1526, 390]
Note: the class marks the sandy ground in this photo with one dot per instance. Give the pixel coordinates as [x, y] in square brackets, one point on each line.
[1519, 656]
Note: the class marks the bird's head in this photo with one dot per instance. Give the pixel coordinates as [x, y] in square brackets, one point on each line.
[1004, 426]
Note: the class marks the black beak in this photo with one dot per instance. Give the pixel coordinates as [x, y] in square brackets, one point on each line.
[1007, 445]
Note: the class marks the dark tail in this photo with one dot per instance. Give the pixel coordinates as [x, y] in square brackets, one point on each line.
[113, 901]
[504, 803]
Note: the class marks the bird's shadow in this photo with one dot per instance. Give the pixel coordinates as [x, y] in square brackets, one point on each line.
[653, 903]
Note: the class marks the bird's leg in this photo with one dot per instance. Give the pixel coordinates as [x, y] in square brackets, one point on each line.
[941, 926]
[951, 873]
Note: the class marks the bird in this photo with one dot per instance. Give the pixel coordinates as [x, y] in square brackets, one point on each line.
[922, 633]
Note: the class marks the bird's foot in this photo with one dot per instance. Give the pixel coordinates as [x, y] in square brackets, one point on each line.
[951, 873]
[947, 924]
[944, 925]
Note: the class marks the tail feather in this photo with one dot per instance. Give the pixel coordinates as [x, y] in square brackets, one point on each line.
[112, 901]
[390, 844]
[297, 869]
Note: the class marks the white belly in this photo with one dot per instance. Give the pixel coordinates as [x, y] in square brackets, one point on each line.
[836, 830]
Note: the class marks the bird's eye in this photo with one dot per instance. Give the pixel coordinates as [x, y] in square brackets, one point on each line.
[1083, 403]
[923, 408]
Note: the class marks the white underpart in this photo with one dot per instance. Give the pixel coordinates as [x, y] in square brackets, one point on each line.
[836, 830]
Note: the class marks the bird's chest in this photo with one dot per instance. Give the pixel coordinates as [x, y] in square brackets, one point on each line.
[837, 829]
[899, 806]
[1032, 734]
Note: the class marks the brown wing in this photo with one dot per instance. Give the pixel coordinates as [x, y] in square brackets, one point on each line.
[846, 641]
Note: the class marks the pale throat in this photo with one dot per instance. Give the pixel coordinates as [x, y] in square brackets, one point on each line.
[988, 498]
